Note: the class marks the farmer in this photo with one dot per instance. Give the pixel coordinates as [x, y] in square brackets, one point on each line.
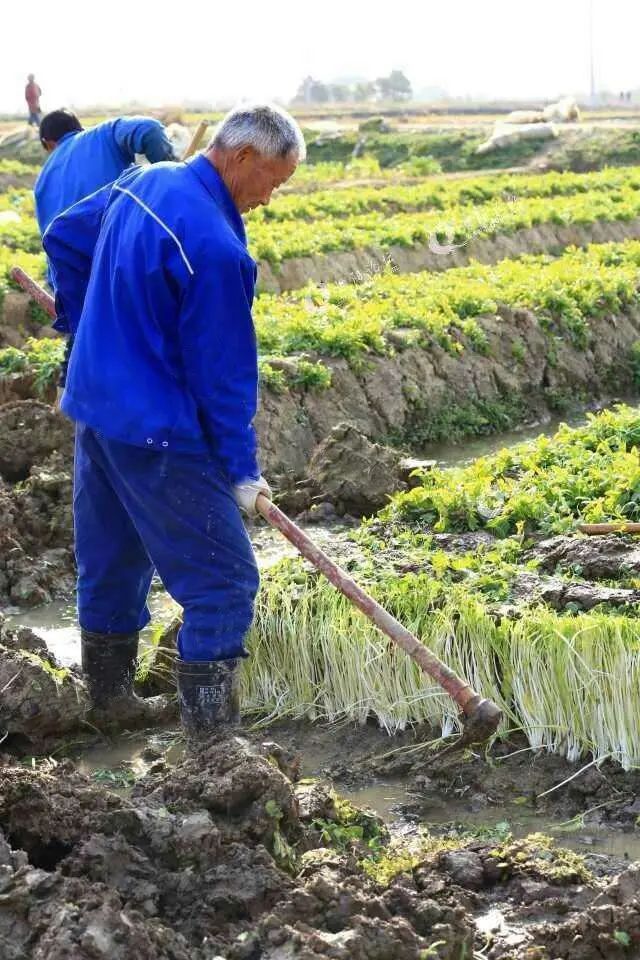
[32, 94]
[154, 278]
[81, 161]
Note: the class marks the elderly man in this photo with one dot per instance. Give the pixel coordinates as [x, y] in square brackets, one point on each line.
[154, 280]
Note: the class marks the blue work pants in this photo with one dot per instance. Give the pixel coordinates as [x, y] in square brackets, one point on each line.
[136, 509]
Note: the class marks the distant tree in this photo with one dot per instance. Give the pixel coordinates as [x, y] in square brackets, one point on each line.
[319, 92]
[339, 92]
[394, 87]
[312, 91]
[303, 93]
[364, 91]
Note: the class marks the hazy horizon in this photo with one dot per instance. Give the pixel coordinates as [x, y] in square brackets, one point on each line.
[485, 50]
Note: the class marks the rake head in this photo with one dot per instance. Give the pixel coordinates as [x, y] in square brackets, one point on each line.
[481, 720]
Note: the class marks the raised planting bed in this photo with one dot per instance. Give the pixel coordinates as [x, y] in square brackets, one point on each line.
[437, 193]
[466, 560]
[420, 358]
[292, 253]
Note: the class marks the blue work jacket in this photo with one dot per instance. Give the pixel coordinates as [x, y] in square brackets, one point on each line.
[154, 281]
[86, 160]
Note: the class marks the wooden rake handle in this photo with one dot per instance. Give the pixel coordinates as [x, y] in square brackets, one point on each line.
[462, 693]
[34, 290]
[196, 140]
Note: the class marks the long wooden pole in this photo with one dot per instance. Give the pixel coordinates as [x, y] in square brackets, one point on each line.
[459, 690]
[196, 140]
[621, 526]
[34, 290]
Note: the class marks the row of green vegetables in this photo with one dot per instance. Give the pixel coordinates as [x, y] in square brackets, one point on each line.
[589, 473]
[445, 308]
[33, 263]
[401, 215]
[568, 680]
[15, 168]
[439, 194]
[18, 227]
[456, 225]
[351, 320]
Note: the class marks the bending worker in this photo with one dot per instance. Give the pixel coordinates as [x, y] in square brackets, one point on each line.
[81, 161]
[155, 281]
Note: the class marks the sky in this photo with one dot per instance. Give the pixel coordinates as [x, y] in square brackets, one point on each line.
[167, 53]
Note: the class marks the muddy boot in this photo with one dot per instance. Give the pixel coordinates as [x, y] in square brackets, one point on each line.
[209, 696]
[109, 668]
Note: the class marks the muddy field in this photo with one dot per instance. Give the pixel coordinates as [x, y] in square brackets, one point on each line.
[229, 854]
[294, 841]
[257, 848]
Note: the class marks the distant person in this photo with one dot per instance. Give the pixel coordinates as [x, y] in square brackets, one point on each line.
[32, 94]
[82, 161]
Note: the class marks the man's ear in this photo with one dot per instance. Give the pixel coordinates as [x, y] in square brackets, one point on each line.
[245, 153]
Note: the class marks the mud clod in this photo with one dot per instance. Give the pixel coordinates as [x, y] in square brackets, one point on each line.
[36, 533]
[351, 473]
[30, 431]
[232, 781]
[597, 558]
[39, 699]
[560, 594]
[465, 867]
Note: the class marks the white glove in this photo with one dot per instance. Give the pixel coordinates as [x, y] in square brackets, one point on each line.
[246, 494]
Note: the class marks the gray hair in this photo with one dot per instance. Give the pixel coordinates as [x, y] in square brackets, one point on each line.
[270, 130]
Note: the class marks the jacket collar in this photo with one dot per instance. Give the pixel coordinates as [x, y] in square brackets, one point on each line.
[215, 185]
[67, 136]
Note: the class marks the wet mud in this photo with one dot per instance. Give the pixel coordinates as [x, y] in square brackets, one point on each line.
[228, 855]
[252, 848]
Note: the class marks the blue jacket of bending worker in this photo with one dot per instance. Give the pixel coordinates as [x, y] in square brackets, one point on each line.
[154, 281]
[81, 161]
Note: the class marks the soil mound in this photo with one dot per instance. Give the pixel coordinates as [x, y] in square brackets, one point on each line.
[353, 474]
[36, 535]
[190, 866]
[597, 558]
[36, 527]
[30, 431]
[39, 699]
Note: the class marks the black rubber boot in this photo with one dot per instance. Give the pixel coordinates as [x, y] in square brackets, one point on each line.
[109, 667]
[209, 696]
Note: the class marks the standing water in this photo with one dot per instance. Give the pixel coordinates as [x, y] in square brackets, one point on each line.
[56, 622]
